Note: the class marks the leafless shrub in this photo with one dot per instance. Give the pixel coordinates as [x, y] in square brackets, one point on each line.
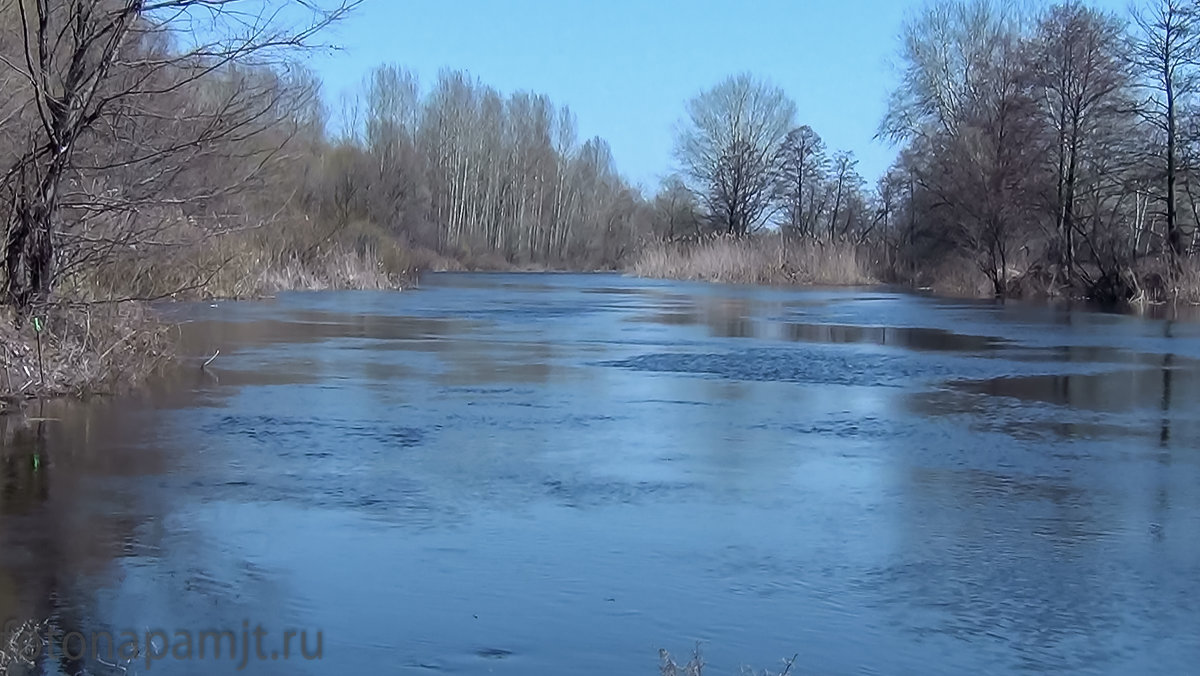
[81, 348]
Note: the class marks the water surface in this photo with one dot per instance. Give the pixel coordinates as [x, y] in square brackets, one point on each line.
[548, 474]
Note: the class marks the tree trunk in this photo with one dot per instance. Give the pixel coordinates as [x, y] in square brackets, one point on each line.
[1174, 238]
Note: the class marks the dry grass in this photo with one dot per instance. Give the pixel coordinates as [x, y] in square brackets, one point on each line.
[956, 278]
[1146, 282]
[757, 260]
[1187, 284]
[667, 666]
[1158, 284]
[99, 336]
[338, 269]
[256, 263]
[80, 349]
[20, 646]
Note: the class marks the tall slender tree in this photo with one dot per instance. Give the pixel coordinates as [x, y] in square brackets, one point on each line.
[1165, 51]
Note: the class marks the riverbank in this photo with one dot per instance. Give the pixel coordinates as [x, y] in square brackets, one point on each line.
[73, 350]
[90, 344]
[771, 260]
[102, 336]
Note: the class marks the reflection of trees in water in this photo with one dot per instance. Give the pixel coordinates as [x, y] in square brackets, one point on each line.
[57, 531]
[1118, 391]
[1168, 362]
[479, 363]
[729, 317]
[1095, 503]
[723, 317]
[989, 555]
[24, 483]
[1068, 404]
[24, 487]
[32, 528]
[743, 317]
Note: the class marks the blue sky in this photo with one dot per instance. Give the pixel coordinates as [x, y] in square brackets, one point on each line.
[626, 67]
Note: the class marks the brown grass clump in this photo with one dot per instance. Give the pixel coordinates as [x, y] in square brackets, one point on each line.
[956, 278]
[1187, 283]
[80, 349]
[257, 262]
[1155, 282]
[337, 269]
[756, 260]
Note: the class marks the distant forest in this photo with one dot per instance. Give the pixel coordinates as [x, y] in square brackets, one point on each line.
[176, 147]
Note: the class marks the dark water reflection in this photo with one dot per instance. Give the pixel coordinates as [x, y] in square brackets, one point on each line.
[531, 474]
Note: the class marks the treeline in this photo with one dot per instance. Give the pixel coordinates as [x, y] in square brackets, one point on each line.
[1056, 150]
[745, 164]
[172, 148]
[759, 198]
[476, 175]
[1044, 150]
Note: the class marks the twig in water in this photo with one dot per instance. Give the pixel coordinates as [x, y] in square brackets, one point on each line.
[210, 360]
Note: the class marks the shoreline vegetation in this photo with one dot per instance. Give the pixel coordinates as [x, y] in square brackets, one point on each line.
[775, 260]
[768, 260]
[1044, 151]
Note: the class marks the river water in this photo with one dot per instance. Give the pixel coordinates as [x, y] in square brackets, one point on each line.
[551, 474]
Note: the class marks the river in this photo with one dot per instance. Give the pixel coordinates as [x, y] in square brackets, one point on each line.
[553, 473]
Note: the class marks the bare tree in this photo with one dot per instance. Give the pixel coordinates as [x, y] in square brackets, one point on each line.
[802, 166]
[946, 53]
[846, 185]
[966, 101]
[471, 173]
[1165, 51]
[728, 146]
[676, 213]
[127, 101]
[1082, 87]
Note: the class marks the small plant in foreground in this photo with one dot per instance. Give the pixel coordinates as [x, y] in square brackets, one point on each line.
[667, 666]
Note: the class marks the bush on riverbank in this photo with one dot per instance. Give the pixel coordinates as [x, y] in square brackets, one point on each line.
[1148, 282]
[80, 349]
[755, 260]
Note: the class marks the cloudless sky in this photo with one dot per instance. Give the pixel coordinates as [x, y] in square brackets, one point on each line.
[627, 67]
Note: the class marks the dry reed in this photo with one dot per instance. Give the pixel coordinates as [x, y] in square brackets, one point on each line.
[80, 349]
[756, 260]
